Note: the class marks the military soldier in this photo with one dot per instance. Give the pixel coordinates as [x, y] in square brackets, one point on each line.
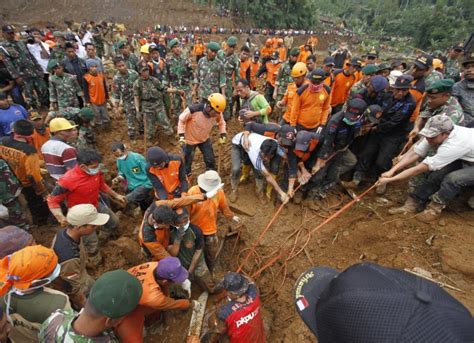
[284, 78]
[452, 63]
[210, 74]
[27, 68]
[131, 60]
[178, 74]
[59, 51]
[98, 39]
[148, 92]
[464, 90]
[367, 72]
[122, 89]
[10, 188]
[64, 89]
[232, 72]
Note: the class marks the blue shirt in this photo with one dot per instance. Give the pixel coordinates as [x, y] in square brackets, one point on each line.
[134, 168]
[10, 115]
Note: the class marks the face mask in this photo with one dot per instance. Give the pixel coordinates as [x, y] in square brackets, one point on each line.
[93, 171]
[184, 227]
[122, 157]
[313, 88]
[349, 122]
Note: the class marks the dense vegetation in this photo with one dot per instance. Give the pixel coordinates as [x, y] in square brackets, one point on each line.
[429, 23]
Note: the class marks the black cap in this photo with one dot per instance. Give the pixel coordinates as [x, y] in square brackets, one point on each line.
[235, 283]
[256, 53]
[371, 303]
[424, 61]
[397, 63]
[373, 53]
[156, 156]
[287, 135]
[275, 55]
[329, 60]
[458, 47]
[371, 113]
[356, 61]
[317, 75]
[8, 28]
[355, 108]
[403, 82]
[23, 127]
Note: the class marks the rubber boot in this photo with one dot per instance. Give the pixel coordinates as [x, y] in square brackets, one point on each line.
[245, 173]
[431, 212]
[410, 206]
[380, 190]
[356, 179]
[233, 195]
[259, 188]
[269, 188]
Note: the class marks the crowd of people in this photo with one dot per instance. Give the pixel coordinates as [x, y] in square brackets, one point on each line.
[308, 124]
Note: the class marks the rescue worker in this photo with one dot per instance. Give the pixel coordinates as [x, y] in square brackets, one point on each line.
[270, 67]
[25, 164]
[344, 79]
[254, 67]
[328, 65]
[368, 72]
[210, 74]
[131, 60]
[267, 51]
[464, 90]
[10, 190]
[59, 156]
[284, 75]
[445, 173]
[298, 75]
[166, 173]
[311, 104]
[194, 128]
[419, 70]
[41, 133]
[240, 317]
[253, 105]
[452, 63]
[204, 213]
[65, 90]
[155, 278]
[68, 244]
[29, 301]
[199, 49]
[114, 295]
[231, 64]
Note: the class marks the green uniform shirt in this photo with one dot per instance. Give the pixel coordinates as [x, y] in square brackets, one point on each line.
[178, 73]
[192, 240]
[64, 90]
[284, 77]
[58, 329]
[122, 86]
[210, 76]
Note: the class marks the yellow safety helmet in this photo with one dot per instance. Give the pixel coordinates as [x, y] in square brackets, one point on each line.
[437, 63]
[145, 49]
[60, 124]
[299, 69]
[217, 102]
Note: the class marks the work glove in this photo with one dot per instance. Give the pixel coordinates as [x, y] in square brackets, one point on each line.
[236, 219]
[223, 139]
[181, 232]
[182, 140]
[3, 212]
[213, 193]
[320, 129]
[186, 286]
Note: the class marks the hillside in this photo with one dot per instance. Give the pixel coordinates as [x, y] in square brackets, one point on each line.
[132, 13]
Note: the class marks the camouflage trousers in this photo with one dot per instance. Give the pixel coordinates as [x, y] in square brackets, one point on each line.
[167, 102]
[178, 101]
[277, 113]
[228, 97]
[16, 214]
[36, 92]
[133, 122]
[154, 114]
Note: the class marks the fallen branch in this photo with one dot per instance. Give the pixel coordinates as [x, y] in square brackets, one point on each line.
[439, 283]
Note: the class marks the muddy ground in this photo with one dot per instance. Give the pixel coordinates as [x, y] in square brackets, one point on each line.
[366, 232]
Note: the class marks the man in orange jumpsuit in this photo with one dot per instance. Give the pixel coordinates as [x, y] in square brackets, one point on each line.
[344, 79]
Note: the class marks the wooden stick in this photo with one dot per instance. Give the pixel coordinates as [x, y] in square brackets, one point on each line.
[442, 284]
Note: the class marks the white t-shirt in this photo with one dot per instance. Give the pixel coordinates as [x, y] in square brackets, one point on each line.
[35, 50]
[458, 146]
[256, 141]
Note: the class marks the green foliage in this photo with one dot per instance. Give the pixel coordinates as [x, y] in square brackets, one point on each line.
[434, 24]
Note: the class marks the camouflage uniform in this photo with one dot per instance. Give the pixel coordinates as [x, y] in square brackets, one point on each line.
[150, 93]
[98, 38]
[432, 78]
[452, 69]
[28, 68]
[57, 53]
[85, 138]
[122, 88]
[178, 74]
[131, 61]
[58, 328]
[10, 189]
[357, 88]
[210, 76]
[283, 79]
[64, 90]
[232, 72]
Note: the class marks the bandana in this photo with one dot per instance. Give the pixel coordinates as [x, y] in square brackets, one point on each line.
[313, 88]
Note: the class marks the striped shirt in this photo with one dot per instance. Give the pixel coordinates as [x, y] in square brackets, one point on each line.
[58, 156]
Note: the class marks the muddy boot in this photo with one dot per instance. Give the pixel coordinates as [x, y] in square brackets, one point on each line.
[269, 188]
[356, 179]
[431, 212]
[380, 190]
[259, 188]
[233, 194]
[94, 260]
[410, 206]
[245, 173]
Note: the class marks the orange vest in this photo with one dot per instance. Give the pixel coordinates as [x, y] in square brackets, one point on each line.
[39, 140]
[266, 52]
[341, 87]
[156, 250]
[272, 71]
[419, 100]
[303, 56]
[244, 66]
[282, 52]
[169, 176]
[254, 67]
[198, 49]
[304, 155]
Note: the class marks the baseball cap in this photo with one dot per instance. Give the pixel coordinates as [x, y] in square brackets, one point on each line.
[468, 58]
[155, 156]
[86, 214]
[355, 108]
[397, 63]
[371, 113]
[115, 294]
[437, 125]
[234, 283]
[440, 86]
[424, 61]
[373, 53]
[170, 268]
[287, 135]
[403, 82]
[370, 303]
[356, 61]
[303, 139]
[329, 60]
[458, 47]
[317, 75]
[8, 28]
[34, 115]
[379, 83]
